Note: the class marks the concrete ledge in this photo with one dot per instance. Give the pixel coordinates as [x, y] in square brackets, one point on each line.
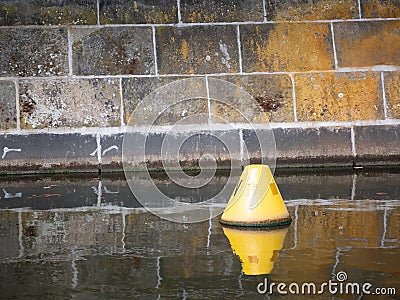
[295, 147]
[377, 145]
[306, 147]
[48, 153]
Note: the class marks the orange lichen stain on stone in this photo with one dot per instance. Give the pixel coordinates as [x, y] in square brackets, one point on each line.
[127, 117]
[392, 89]
[319, 10]
[381, 9]
[184, 50]
[372, 47]
[293, 47]
[339, 96]
[186, 57]
[200, 17]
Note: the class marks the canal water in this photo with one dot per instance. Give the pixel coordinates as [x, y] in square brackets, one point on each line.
[87, 237]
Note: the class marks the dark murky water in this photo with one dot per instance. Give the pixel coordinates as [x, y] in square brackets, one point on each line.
[88, 238]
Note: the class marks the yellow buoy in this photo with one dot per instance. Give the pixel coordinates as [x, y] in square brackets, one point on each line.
[256, 201]
[257, 249]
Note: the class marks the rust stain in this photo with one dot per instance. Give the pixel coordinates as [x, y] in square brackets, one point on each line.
[291, 47]
[270, 104]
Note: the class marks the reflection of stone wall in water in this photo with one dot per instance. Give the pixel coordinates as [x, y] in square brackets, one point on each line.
[54, 241]
[321, 70]
[105, 227]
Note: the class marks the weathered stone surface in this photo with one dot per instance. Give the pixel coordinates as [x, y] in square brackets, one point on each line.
[286, 47]
[8, 116]
[181, 103]
[363, 44]
[392, 91]
[197, 49]
[69, 103]
[339, 96]
[39, 152]
[221, 11]
[372, 141]
[112, 51]
[380, 8]
[223, 146]
[306, 146]
[136, 89]
[45, 12]
[184, 112]
[313, 146]
[295, 10]
[273, 93]
[33, 52]
[111, 152]
[185, 148]
[141, 11]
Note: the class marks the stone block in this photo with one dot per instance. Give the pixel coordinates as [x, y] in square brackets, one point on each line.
[286, 47]
[112, 51]
[259, 147]
[173, 101]
[33, 51]
[339, 96]
[379, 144]
[194, 11]
[47, 152]
[45, 12]
[306, 146]
[272, 93]
[69, 103]
[295, 10]
[138, 12]
[185, 148]
[111, 152]
[8, 116]
[380, 8]
[142, 150]
[136, 89]
[392, 92]
[197, 49]
[363, 44]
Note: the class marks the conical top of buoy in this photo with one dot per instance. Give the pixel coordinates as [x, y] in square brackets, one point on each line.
[256, 201]
[257, 249]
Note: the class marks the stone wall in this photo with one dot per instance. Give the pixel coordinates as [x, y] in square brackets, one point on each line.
[326, 72]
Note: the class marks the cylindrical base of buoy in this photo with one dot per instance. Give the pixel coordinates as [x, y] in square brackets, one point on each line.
[256, 201]
[264, 224]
